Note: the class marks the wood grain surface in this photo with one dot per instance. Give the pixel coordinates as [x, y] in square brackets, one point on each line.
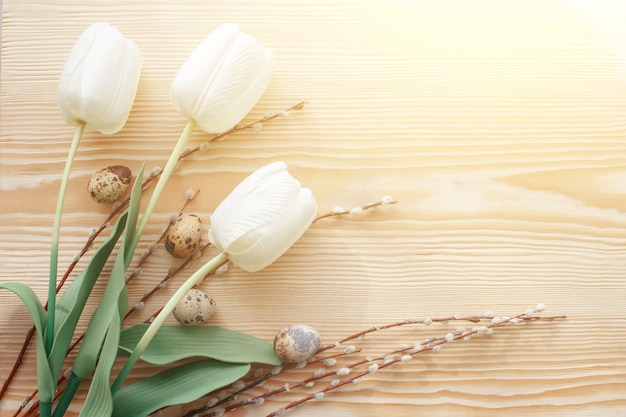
[498, 125]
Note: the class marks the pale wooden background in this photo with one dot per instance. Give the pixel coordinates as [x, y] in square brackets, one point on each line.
[500, 127]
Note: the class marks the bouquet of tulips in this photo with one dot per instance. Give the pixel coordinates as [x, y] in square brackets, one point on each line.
[263, 216]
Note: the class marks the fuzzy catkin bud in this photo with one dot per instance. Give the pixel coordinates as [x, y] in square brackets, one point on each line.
[330, 361]
[349, 350]
[343, 371]
[386, 200]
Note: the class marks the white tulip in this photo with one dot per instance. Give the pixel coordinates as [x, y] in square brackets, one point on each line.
[100, 79]
[222, 79]
[258, 221]
[262, 217]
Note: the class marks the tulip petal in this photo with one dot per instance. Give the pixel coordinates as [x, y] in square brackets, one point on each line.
[248, 98]
[258, 200]
[279, 235]
[70, 81]
[222, 79]
[100, 79]
[199, 69]
[262, 217]
[222, 99]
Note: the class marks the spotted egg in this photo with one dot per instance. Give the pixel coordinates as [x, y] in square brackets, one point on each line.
[194, 308]
[296, 343]
[108, 184]
[184, 236]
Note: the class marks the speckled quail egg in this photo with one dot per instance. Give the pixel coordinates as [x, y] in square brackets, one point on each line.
[184, 236]
[108, 184]
[194, 308]
[296, 343]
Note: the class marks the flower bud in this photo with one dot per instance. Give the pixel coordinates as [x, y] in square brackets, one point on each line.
[222, 79]
[262, 217]
[100, 79]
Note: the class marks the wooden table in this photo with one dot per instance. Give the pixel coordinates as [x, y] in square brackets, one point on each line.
[499, 127]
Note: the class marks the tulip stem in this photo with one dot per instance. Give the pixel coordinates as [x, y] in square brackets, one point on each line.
[163, 314]
[165, 175]
[56, 228]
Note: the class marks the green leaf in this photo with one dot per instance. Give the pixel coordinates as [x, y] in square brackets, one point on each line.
[172, 343]
[99, 402]
[114, 303]
[133, 212]
[99, 348]
[178, 385]
[100, 322]
[70, 305]
[45, 380]
[101, 340]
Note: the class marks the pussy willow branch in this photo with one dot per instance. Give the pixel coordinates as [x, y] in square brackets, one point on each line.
[118, 208]
[338, 211]
[402, 354]
[388, 359]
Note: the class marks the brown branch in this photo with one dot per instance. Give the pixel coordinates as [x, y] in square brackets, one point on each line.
[356, 210]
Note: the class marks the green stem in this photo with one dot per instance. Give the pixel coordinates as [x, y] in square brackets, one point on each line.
[68, 394]
[167, 172]
[54, 252]
[45, 409]
[162, 316]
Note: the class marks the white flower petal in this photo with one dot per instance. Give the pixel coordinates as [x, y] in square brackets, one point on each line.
[198, 72]
[262, 217]
[100, 79]
[222, 79]
[257, 200]
[280, 235]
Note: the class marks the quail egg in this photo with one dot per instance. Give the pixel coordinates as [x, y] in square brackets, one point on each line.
[194, 308]
[296, 343]
[108, 184]
[184, 236]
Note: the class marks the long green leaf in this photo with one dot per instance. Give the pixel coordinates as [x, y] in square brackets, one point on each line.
[100, 322]
[101, 338]
[45, 381]
[133, 213]
[70, 305]
[178, 385]
[99, 402]
[115, 301]
[173, 343]
[97, 346]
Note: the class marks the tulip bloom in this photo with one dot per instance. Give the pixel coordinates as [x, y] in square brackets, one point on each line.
[215, 88]
[262, 217]
[222, 79]
[258, 221]
[96, 91]
[100, 79]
